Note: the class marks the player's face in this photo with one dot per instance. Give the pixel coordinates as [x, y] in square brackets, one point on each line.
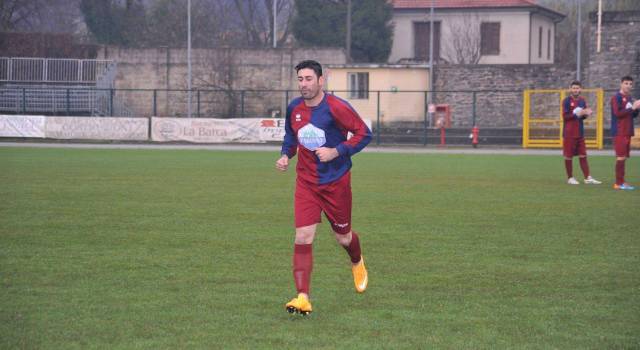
[575, 90]
[309, 84]
[626, 87]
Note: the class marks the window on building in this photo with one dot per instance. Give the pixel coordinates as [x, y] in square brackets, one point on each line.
[490, 38]
[421, 39]
[359, 85]
[548, 44]
[540, 42]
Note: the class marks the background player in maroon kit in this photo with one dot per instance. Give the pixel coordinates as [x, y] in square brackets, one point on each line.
[623, 111]
[574, 112]
[316, 128]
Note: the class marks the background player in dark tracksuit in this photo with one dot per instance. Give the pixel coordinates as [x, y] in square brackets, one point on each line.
[623, 111]
[316, 128]
[574, 112]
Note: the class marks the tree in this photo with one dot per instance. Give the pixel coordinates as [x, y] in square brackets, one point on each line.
[48, 16]
[257, 21]
[464, 46]
[323, 23]
[110, 22]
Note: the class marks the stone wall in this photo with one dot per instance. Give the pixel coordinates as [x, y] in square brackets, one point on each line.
[498, 89]
[220, 74]
[619, 52]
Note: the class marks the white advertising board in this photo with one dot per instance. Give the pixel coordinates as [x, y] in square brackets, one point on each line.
[22, 126]
[205, 130]
[97, 128]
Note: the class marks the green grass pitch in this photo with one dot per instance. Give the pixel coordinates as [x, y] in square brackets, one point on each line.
[168, 249]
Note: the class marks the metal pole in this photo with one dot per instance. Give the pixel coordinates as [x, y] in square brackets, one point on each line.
[348, 31]
[275, 17]
[242, 104]
[198, 103]
[155, 102]
[426, 120]
[68, 102]
[431, 52]
[579, 41]
[474, 108]
[378, 121]
[189, 58]
[111, 102]
[599, 30]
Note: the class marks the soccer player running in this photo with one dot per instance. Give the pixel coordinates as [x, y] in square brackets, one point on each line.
[574, 112]
[623, 111]
[316, 129]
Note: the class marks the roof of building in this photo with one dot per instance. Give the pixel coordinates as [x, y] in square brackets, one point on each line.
[474, 4]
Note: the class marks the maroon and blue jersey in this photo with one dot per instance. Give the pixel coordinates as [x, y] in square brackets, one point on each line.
[573, 126]
[324, 125]
[622, 115]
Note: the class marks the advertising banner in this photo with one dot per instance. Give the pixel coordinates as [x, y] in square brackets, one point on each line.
[22, 126]
[97, 128]
[205, 130]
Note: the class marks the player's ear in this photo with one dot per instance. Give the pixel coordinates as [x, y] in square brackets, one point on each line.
[321, 80]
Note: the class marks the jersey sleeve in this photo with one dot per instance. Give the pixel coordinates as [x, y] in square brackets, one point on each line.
[347, 118]
[620, 111]
[290, 142]
[567, 113]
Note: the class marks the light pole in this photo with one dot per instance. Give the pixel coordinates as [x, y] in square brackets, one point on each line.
[348, 43]
[579, 41]
[189, 58]
[275, 26]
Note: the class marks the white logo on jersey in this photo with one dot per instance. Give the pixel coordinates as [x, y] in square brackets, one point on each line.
[298, 117]
[311, 137]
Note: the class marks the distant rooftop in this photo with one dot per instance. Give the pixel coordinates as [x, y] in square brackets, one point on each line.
[474, 4]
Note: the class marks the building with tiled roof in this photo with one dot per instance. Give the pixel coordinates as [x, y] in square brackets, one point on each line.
[474, 31]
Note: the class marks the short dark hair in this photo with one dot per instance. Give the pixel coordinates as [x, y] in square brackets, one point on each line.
[311, 64]
[626, 78]
[576, 82]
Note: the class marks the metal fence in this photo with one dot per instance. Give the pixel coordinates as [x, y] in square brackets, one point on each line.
[52, 70]
[397, 117]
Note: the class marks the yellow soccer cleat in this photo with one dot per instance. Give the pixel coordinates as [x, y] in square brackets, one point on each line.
[360, 276]
[300, 305]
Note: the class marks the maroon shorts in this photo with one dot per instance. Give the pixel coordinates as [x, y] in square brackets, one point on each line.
[622, 145]
[573, 147]
[334, 199]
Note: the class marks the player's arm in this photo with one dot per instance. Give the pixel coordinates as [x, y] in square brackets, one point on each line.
[587, 112]
[347, 118]
[619, 110]
[567, 112]
[636, 108]
[289, 144]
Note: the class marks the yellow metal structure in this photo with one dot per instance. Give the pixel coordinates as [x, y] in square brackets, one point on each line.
[542, 118]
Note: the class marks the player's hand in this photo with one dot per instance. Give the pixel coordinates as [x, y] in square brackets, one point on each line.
[283, 163]
[636, 104]
[326, 154]
[587, 112]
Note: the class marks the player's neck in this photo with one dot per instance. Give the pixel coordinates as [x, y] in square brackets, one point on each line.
[315, 101]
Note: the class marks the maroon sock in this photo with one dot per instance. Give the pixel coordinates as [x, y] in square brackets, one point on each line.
[302, 266]
[584, 165]
[568, 165]
[354, 248]
[619, 172]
